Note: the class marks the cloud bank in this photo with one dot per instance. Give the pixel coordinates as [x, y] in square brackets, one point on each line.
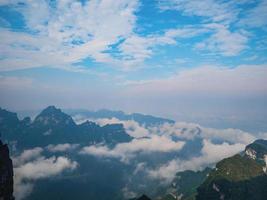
[216, 145]
[210, 154]
[31, 166]
[127, 151]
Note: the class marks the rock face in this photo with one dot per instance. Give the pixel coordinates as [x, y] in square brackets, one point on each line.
[242, 176]
[257, 150]
[6, 173]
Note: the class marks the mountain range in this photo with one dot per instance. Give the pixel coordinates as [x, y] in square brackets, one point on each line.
[144, 120]
[52, 126]
[242, 176]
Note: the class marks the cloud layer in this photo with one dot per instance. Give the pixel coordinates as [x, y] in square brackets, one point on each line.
[210, 154]
[126, 151]
[108, 32]
[216, 145]
[30, 166]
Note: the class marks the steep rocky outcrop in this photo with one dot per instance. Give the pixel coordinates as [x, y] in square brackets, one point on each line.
[6, 173]
[242, 176]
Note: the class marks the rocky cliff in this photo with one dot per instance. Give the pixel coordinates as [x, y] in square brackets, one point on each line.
[6, 173]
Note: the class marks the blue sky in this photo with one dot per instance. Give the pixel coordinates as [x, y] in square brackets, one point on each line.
[180, 58]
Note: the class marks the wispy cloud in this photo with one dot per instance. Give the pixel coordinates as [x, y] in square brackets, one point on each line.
[190, 131]
[66, 32]
[126, 151]
[210, 154]
[220, 17]
[247, 79]
[214, 11]
[131, 127]
[223, 41]
[62, 147]
[31, 165]
[256, 17]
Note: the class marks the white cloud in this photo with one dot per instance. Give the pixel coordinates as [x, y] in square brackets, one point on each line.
[190, 131]
[212, 80]
[223, 41]
[71, 31]
[131, 127]
[42, 168]
[256, 17]
[66, 32]
[210, 154]
[217, 16]
[217, 144]
[214, 11]
[181, 130]
[61, 147]
[185, 32]
[31, 166]
[22, 190]
[27, 155]
[135, 49]
[127, 151]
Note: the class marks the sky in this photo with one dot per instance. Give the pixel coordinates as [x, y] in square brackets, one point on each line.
[200, 61]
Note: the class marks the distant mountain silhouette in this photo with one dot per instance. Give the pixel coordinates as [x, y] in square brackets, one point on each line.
[52, 126]
[146, 120]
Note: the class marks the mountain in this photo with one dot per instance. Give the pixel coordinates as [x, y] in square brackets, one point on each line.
[257, 150]
[242, 176]
[185, 183]
[9, 124]
[52, 126]
[6, 173]
[53, 117]
[145, 120]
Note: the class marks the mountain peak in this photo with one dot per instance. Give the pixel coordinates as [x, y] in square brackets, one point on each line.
[53, 116]
[9, 117]
[257, 149]
[51, 109]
